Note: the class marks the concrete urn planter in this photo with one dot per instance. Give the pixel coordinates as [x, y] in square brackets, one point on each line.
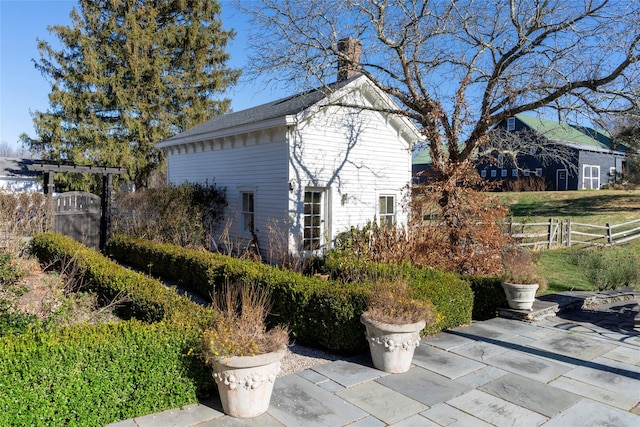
[520, 296]
[392, 346]
[245, 383]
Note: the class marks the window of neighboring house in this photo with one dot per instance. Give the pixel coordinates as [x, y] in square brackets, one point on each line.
[538, 171]
[494, 173]
[511, 123]
[248, 212]
[483, 173]
[590, 177]
[503, 173]
[387, 210]
[525, 172]
[514, 172]
[500, 160]
[312, 220]
[533, 151]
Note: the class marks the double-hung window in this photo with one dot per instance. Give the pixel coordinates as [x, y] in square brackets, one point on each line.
[387, 210]
[248, 212]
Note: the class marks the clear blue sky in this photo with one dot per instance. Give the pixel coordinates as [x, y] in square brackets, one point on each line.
[24, 89]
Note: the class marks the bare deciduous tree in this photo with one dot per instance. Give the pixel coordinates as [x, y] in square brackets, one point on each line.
[459, 67]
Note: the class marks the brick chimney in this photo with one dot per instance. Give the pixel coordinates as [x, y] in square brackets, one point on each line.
[352, 48]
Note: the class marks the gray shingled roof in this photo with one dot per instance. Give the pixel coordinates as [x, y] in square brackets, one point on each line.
[279, 108]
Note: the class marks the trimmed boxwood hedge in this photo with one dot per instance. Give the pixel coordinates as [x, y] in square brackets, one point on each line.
[318, 312]
[488, 296]
[92, 375]
[96, 374]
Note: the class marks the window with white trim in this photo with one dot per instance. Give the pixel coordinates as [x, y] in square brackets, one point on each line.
[313, 220]
[511, 123]
[514, 172]
[483, 173]
[248, 212]
[387, 210]
[525, 172]
[503, 173]
[494, 173]
[538, 171]
[590, 177]
[500, 160]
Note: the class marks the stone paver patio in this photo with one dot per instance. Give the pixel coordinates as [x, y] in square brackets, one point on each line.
[580, 368]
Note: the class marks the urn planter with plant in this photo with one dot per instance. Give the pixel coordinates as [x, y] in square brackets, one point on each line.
[244, 356]
[393, 322]
[520, 280]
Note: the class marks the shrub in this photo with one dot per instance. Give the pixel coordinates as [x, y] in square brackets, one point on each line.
[184, 215]
[488, 296]
[147, 299]
[317, 312]
[93, 375]
[608, 268]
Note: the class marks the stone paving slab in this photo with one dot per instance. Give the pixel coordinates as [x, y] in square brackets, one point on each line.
[347, 373]
[595, 393]
[573, 345]
[446, 415]
[532, 395]
[529, 366]
[479, 350]
[184, 417]
[382, 402]
[416, 421]
[609, 375]
[264, 420]
[587, 413]
[448, 341]
[481, 377]
[625, 355]
[496, 411]
[298, 402]
[424, 386]
[443, 362]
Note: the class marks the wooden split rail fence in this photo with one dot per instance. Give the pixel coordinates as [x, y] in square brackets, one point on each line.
[564, 232]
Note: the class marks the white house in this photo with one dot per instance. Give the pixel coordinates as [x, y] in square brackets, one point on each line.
[304, 168]
[14, 175]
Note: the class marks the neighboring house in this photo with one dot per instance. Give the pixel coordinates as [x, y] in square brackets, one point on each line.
[304, 168]
[14, 175]
[595, 159]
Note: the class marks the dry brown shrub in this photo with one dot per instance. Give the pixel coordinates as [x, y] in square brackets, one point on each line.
[241, 329]
[392, 302]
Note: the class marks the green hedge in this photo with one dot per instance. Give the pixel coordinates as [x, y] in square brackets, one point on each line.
[93, 375]
[148, 299]
[318, 312]
[488, 296]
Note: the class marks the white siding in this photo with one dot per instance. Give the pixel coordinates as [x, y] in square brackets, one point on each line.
[258, 165]
[358, 157]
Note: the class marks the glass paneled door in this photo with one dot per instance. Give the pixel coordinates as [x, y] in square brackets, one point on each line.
[313, 220]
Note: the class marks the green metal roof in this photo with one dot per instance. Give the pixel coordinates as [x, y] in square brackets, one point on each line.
[422, 158]
[561, 132]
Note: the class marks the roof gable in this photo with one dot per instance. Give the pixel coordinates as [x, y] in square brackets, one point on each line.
[271, 113]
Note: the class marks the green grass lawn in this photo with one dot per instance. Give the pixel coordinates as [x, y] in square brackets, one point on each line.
[591, 207]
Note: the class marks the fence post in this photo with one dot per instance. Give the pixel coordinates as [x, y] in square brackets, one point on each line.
[568, 232]
[609, 240]
[550, 233]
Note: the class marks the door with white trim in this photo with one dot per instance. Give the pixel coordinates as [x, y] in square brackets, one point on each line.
[314, 221]
[590, 177]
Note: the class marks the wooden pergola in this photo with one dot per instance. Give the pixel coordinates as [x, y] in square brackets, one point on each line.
[49, 169]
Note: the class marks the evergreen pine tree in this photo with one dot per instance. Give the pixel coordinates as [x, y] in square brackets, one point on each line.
[130, 73]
